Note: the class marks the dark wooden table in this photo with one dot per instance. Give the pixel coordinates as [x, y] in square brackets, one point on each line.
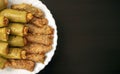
[89, 37]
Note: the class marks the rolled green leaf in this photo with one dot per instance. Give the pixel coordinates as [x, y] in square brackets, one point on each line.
[2, 62]
[3, 21]
[17, 41]
[3, 4]
[4, 32]
[3, 48]
[18, 29]
[16, 15]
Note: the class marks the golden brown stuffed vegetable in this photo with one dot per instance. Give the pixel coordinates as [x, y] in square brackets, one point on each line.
[17, 41]
[37, 48]
[45, 30]
[18, 29]
[42, 39]
[4, 32]
[40, 22]
[16, 53]
[3, 4]
[36, 57]
[3, 21]
[3, 48]
[29, 8]
[17, 16]
[21, 64]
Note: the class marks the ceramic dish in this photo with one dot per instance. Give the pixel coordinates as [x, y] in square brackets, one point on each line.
[48, 15]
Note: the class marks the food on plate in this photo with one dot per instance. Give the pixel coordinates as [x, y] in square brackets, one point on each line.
[18, 29]
[38, 30]
[36, 57]
[3, 48]
[2, 62]
[3, 21]
[29, 8]
[42, 39]
[3, 4]
[4, 32]
[40, 22]
[25, 38]
[21, 64]
[16, 53]
[37, 48]
[17, 41]
[17, 16]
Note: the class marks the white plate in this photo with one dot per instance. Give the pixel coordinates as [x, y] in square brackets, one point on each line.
[50, 54]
